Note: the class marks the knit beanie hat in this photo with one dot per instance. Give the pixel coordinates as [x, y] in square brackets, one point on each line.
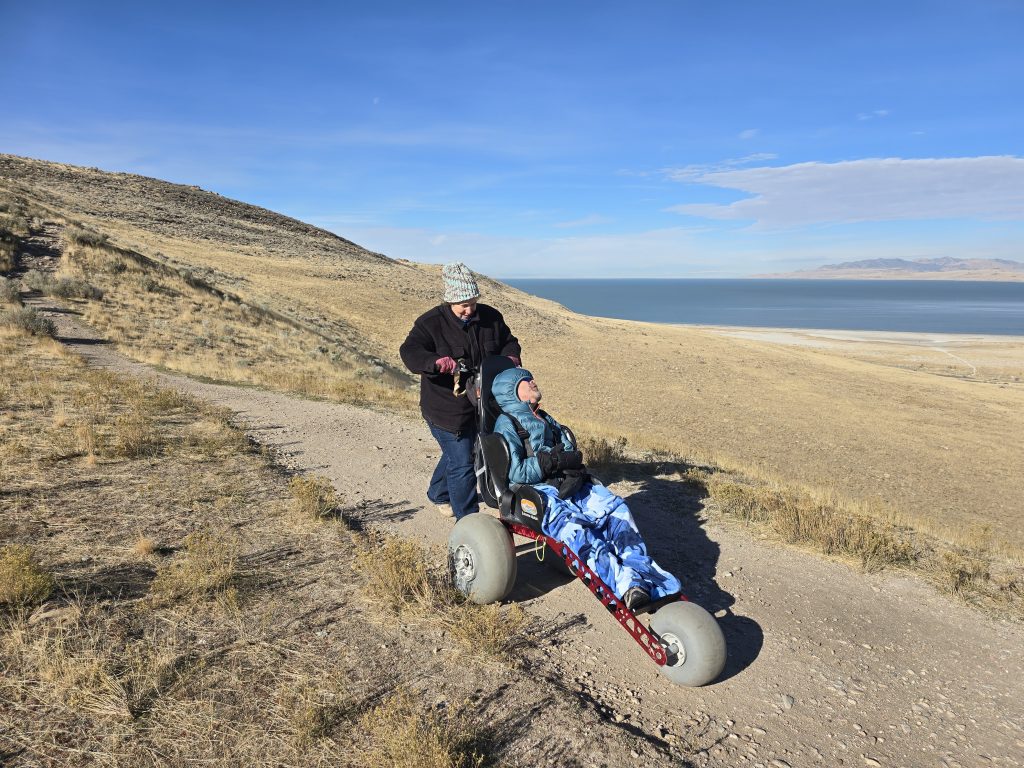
[459, 283]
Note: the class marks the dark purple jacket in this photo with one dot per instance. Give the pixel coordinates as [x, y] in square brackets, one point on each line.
[439, 333]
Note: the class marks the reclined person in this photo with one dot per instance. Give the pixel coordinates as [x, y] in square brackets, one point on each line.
[587, 517]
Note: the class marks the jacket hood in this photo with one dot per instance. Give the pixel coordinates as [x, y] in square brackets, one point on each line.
[504, 389]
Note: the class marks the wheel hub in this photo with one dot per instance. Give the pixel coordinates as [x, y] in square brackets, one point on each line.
[464, 567]
[674, 650]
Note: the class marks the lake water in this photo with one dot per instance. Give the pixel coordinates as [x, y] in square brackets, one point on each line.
[932, 306]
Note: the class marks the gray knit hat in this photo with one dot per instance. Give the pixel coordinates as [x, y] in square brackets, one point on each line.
[459, 283]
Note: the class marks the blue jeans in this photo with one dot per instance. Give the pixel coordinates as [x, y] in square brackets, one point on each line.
[454, 481]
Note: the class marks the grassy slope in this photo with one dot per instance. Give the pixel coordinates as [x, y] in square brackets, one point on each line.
[937, 451]
[167, 596]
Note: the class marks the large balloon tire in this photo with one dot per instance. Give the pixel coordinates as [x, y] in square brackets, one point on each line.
[482, 558]
[694, 643]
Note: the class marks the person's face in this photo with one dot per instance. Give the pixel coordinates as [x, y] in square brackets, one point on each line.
[464, 309]
[528, 391]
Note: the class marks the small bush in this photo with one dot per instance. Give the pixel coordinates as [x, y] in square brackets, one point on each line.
[601, 453]
[209, 568]
[23, 583]
[28, 320]
[396, 573]
[964, 571]
[406, 734]
[144, 546]
[35, 280]
[314, 498]
[135, 437]
[9, 291]
[86, 237]
[73, 288]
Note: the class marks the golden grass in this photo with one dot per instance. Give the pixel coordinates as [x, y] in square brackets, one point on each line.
[313, 498]
[833, 526]
[146, 656]
[407, 734]
[23, 581]
[398, 575]
[175, 321]
[207, 568]
[144, 546]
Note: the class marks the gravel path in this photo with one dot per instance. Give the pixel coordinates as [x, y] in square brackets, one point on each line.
[827, 666]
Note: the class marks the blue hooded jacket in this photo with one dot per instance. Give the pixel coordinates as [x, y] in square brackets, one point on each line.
[544, 431]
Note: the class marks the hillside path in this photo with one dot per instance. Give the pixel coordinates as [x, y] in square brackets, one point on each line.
[827, 666]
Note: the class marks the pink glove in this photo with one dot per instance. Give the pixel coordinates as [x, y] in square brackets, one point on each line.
[515, 360]
[446, 365]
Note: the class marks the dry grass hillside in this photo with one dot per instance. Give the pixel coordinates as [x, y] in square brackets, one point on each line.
[169, 596]
[214, 287]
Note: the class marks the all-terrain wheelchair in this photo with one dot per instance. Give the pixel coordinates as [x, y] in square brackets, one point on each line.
[682, 638]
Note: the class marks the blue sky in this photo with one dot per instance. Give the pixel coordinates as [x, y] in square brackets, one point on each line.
[553, 139]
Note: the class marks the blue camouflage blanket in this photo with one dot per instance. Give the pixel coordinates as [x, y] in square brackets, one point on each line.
[597, 525]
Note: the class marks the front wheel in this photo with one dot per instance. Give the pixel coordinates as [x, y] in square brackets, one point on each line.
[482, 558]
[693, 641]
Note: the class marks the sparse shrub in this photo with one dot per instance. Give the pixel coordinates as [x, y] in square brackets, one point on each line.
[313, 498]
[9, 291]
[406, 734]
[396, 573]
[23, 583]
[489, 630]
[318, 708]
[28, 320]
[964, 571]
[74, 288]
[135, 436]
[144, 546]
[601, 453]
[149, 284]
[7, 260]
[214, 437]
[88, 439]
[87, 237]
[209, 567]
[801, 519]
[35, 280]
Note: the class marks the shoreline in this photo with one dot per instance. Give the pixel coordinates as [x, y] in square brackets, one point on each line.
[829, 336]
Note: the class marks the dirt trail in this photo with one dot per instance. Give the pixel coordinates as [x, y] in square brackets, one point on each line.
[827, 666]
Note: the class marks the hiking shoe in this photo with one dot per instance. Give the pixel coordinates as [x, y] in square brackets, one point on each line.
[636, 597]
[445, 510]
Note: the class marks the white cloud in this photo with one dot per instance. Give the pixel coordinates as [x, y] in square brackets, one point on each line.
[749, 133]
[586, 221]
[698, 172]
[655, 253]
[868, 190]
[873, 114]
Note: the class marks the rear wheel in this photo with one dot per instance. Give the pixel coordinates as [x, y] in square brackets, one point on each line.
[482, 558]
[693, 641]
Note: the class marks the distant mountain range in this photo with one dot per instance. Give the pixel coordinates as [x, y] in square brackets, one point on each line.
[945, 268]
